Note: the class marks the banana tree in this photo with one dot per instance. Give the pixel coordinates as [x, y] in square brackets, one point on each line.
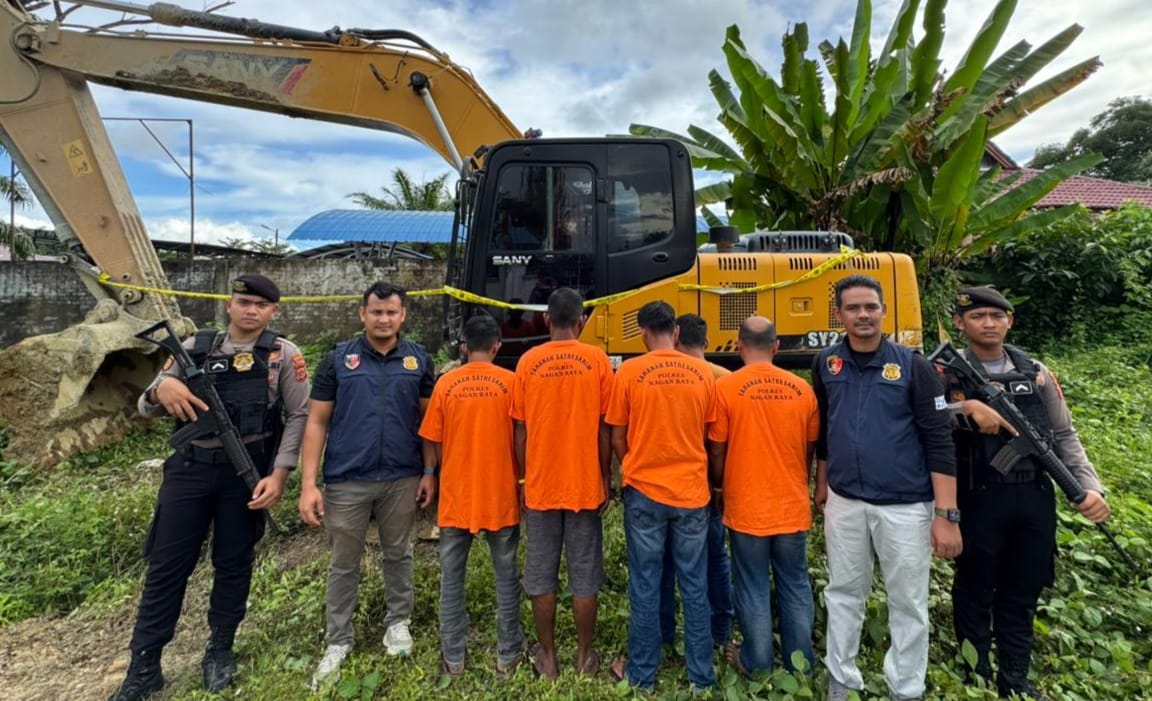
[891, 149]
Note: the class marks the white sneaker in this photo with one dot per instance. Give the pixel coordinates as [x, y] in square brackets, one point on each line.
[398, 639]
[836, 690]
[333, 658]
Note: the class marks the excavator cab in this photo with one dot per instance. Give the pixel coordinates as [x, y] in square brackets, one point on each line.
[600, 216]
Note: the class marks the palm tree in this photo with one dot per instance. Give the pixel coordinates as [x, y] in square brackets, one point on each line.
[406, 194]
[17, 240]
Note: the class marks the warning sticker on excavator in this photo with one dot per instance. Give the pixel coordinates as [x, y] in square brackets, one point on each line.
[78, 159]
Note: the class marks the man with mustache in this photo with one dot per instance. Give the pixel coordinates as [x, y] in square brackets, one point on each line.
[367, 402]
[886, 484]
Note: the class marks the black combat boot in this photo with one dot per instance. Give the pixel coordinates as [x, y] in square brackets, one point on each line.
[143, 678]
[219, 664]
[983, 668]
[1013, 679]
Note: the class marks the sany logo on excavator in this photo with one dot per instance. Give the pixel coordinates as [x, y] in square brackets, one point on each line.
[262, 72]
[511, 260]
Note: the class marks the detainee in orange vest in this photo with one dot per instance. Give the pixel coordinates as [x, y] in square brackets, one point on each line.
[760, 454]
[468, 428]
[562, 392]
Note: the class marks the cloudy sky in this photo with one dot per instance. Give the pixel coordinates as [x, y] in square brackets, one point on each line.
[570, 68]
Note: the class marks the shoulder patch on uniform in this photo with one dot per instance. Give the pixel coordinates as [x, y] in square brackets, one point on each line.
[891, 371]
[301, 367]
[941, 403]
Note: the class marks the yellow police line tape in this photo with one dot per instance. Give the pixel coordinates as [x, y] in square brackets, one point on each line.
[472, 298]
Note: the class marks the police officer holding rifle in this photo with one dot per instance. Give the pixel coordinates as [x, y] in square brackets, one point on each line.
[262, 385]
[1004, 485]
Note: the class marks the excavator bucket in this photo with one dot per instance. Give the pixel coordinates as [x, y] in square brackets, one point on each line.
[75, 389]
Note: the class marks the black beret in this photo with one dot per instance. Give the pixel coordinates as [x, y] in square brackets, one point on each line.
[976, 297]
[256, 284]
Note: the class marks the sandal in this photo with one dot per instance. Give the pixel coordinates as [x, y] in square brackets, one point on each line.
[533, 655]
[450, 669]
[591, 666]
[618, 670]
[732, 657]
[505, 671]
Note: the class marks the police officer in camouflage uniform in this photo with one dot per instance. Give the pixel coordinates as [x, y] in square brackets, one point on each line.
[1009, 521]
[263, 382]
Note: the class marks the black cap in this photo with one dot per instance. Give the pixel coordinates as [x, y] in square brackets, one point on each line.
[976, 297]
[256, 284]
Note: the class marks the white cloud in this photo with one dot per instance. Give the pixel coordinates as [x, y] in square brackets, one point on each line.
[570, 68]
[207, 230]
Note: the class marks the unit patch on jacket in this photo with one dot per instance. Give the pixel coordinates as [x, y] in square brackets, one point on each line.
[891, 371]
[410, 363]
[352, 361]
[835, 364]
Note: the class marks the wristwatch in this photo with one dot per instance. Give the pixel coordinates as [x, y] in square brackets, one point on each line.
[952, 515]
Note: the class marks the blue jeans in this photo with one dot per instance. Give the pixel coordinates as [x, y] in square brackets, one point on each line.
[649, 528]
[786, 557]
[719, 586]
[455, 543]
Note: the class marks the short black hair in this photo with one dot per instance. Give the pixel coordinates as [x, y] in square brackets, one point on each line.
[384, 290]
[481, 333]
[565, 308]
[760, 340]
[693, 330]
[657, 317]
[858, 281]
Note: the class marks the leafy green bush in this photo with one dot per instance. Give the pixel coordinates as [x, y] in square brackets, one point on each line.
[65, 533]
[1085, 279]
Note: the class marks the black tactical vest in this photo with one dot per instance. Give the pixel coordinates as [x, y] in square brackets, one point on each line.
[974, 450]
[242, 381]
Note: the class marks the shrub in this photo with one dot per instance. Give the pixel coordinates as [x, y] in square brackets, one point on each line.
[1087, 278]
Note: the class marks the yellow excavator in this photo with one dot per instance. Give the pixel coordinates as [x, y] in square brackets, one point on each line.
[602, 215]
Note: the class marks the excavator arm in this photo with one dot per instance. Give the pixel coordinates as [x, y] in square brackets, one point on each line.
[74, 387]
[49, 123]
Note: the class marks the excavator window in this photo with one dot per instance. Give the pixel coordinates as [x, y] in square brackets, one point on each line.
[544, 208]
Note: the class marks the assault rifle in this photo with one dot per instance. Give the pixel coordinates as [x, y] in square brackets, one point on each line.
[1028, 441]
[213, 423]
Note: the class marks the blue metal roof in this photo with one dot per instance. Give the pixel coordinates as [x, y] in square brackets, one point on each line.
[376, 225]
[387, 226]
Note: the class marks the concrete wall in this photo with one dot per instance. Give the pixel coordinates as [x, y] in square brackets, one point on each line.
[45, 297]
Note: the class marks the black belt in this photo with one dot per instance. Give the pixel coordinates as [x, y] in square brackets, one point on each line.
[212, 456]
[1013, 477]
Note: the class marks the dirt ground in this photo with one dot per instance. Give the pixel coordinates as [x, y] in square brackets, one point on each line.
[48, 659]
[81, 657]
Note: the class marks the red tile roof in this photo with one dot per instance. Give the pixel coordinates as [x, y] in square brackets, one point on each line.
[1093, 193]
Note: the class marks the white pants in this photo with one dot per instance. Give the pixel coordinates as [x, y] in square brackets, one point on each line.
[899, 536]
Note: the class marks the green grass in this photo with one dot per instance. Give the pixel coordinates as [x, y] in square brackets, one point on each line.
[70, 541]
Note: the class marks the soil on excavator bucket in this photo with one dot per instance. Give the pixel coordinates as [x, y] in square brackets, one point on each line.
[74, 390]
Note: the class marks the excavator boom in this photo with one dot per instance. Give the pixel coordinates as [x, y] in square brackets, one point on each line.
[74, 386]
[382, 83]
